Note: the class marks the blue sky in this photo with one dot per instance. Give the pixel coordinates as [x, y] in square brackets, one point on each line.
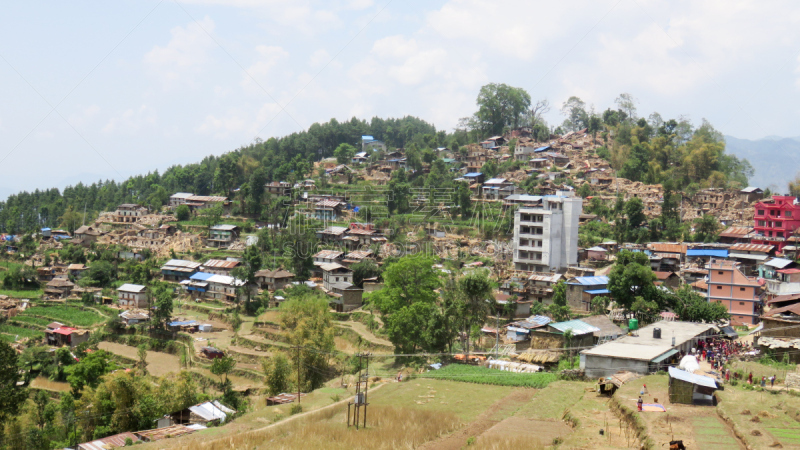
[141, 85]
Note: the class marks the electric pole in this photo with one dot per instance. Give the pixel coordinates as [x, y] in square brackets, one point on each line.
[297, 347]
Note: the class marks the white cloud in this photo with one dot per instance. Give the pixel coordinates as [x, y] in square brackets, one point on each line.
[131, 120]
[178, 63]
[263, 70]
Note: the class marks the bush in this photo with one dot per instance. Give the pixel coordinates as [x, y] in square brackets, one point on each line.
[297, 408]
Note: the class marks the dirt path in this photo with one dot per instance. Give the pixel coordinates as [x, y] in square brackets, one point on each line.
[486, 420]
[365, 333]
[158, 363]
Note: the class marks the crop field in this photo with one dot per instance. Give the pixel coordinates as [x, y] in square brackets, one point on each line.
[65, 314]
[38, 321]
[30, 293]
[483, 375]
[20, 331]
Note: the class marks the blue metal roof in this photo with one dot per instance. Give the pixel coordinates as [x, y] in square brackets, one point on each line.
[590, 281]
[716, 253]
[473, 174]
[45, 229]
[180, 324]
[541, 149]
[202, 276]
[367, 138]
[578, 327]
[598, 291]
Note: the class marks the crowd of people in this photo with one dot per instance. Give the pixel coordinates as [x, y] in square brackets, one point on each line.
[717, 351]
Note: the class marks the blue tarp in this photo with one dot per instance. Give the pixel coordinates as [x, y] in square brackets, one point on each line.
[473, 174]
[716, 253]
[541, 149]
[180, 324]
[590, 281]
[202, 276]
[598, 291]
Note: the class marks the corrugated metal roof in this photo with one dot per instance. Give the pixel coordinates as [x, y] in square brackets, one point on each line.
[736, 232]
[778, 263]
[541, 149]
[764, 248]
[551, 278]
[329, 254]
[181, 263]
[473, 174]
[496, 181]
[700, 380]
[597, 249]
[750, 189]
[589, 281]
[578, 327]
[598, 291]
[132, 288]
[220, 264]
[224, 227]
[667, 248]
[202, 276]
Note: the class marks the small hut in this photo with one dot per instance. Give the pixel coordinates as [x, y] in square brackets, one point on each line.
[691, 389]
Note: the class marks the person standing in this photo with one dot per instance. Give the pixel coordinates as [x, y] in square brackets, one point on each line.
[640, 403]
[750, 378]
[763, 381]
[772, 381]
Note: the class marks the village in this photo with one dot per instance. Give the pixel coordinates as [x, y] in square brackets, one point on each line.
[195, 287]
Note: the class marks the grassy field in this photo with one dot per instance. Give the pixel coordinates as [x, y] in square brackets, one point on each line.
[483, 375]
[67, 315]
[762, 417]
[158, 363]
[12, 331]
[37, 321]
[28, 293]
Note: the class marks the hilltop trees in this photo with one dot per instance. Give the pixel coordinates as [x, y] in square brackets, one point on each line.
[500, 105]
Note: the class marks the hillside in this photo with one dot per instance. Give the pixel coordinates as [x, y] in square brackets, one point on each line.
[775, 159]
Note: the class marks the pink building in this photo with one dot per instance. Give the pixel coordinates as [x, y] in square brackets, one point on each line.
[775, 220]
[739, 293]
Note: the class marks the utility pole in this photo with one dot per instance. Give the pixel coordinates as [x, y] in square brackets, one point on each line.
[497, 337]
[297, 347]
[361, 396]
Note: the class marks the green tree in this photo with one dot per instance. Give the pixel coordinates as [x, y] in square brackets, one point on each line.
[407, 302]
[692, 307]
[11, 396]
[251, 259]
[595, 124]
[142, 353]
[344, 153]
[277, 371]
[575, 110]
[162, 293]
[631, 279]
[477, 294]
[559, 310]
[364, 269]
[310, 327]
[182, 212]
[634, 211]
[706, 228]
[222, 367]
[500, 105]
[88, 371]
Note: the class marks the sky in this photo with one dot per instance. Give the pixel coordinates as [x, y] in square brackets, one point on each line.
[103, 90]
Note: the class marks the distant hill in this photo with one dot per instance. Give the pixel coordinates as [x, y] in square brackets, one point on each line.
[776, 160]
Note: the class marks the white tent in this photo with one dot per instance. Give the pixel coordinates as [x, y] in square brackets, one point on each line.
[689, 363]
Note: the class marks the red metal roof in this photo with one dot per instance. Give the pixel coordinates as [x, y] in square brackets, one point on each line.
[66, 331]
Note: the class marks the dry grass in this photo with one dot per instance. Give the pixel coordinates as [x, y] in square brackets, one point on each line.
[388, 428]
[46, 384]
[494, 442]
[158, 363]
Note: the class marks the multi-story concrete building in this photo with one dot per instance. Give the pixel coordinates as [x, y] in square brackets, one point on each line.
[546, 234]
[776, 219]
[727, 284]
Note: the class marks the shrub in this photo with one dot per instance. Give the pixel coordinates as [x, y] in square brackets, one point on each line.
[297, 408]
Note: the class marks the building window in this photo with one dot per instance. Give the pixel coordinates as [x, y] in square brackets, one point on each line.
[788, 214]
[761, 223]
[720, 273]
[779, 234]
[741, 303]
[778, 224]
[741, 289]
[719, 287]
[760, 212]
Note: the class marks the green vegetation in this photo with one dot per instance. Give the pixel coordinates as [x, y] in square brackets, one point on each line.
[73, 316]
[483, 375]
[12, 330]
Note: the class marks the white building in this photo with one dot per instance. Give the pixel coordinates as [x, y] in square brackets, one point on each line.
[132, 296]
[546, 234]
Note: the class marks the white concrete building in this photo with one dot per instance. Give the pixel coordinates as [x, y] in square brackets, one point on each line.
[132, 296]
[546, 234]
